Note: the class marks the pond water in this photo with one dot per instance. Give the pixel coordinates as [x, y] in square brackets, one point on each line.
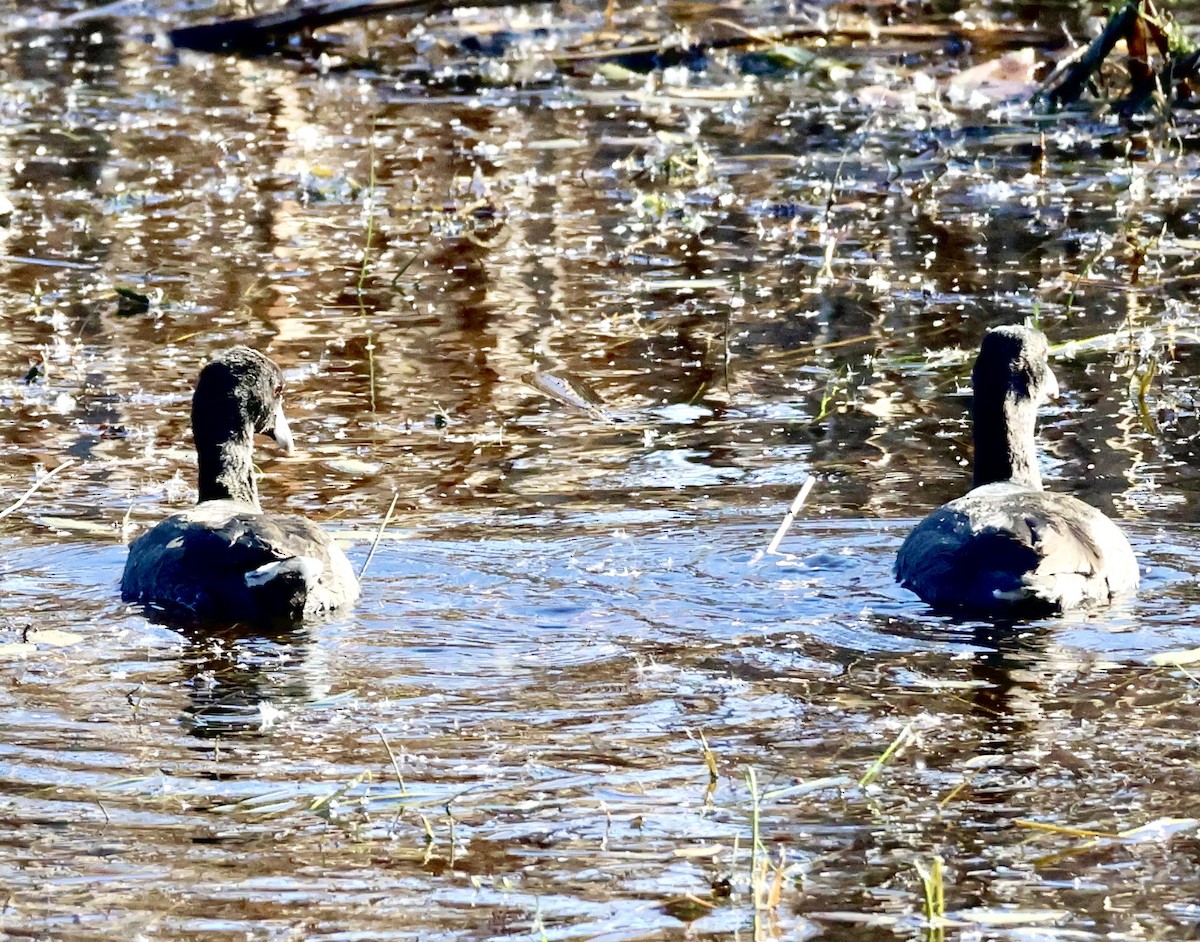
[606, 324]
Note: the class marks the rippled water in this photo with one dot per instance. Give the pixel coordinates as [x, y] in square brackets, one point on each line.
[606, 327]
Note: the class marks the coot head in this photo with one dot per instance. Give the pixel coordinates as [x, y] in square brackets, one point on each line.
[238, 394]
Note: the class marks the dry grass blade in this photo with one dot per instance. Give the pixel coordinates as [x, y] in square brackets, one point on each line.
[1064, 829]
[790, 517]
[19, 502]
[392, 757]
[903, 739]
[378, 536]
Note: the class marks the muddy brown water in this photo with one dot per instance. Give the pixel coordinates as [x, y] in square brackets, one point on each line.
[607, 325]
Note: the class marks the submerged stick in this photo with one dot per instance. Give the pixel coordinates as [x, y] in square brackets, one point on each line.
[36, 484]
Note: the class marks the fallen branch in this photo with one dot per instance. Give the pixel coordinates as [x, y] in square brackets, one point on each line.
[1078, 76]
[254, 35]
[1142, 26]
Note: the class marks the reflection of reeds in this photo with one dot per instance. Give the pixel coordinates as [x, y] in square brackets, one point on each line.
[369, 209]
[430, 839]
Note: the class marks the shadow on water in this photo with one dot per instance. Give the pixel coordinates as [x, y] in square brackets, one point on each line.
[237, 681]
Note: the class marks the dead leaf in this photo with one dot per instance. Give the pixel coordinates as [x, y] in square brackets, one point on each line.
[1009, 77]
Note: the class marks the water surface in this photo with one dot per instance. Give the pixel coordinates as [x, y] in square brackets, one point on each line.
[606, 325]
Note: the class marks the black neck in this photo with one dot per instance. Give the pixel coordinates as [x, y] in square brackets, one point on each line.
[227, 469]
[1005, 449]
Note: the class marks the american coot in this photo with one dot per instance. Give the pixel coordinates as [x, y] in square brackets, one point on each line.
[225, 560]
[1008, 548]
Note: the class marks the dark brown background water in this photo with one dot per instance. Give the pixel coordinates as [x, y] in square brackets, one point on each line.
[596, 349]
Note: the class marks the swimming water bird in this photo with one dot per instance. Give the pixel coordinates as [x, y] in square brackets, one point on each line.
[1009, 548]
[225, 560]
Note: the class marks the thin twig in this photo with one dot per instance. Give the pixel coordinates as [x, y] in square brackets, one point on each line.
[405, 267]
[756, 35]
[369, 207]
[36, 484]
[379, 535]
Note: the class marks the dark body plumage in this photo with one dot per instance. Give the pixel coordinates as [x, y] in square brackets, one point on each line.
[225, 560]
[1009, 548]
